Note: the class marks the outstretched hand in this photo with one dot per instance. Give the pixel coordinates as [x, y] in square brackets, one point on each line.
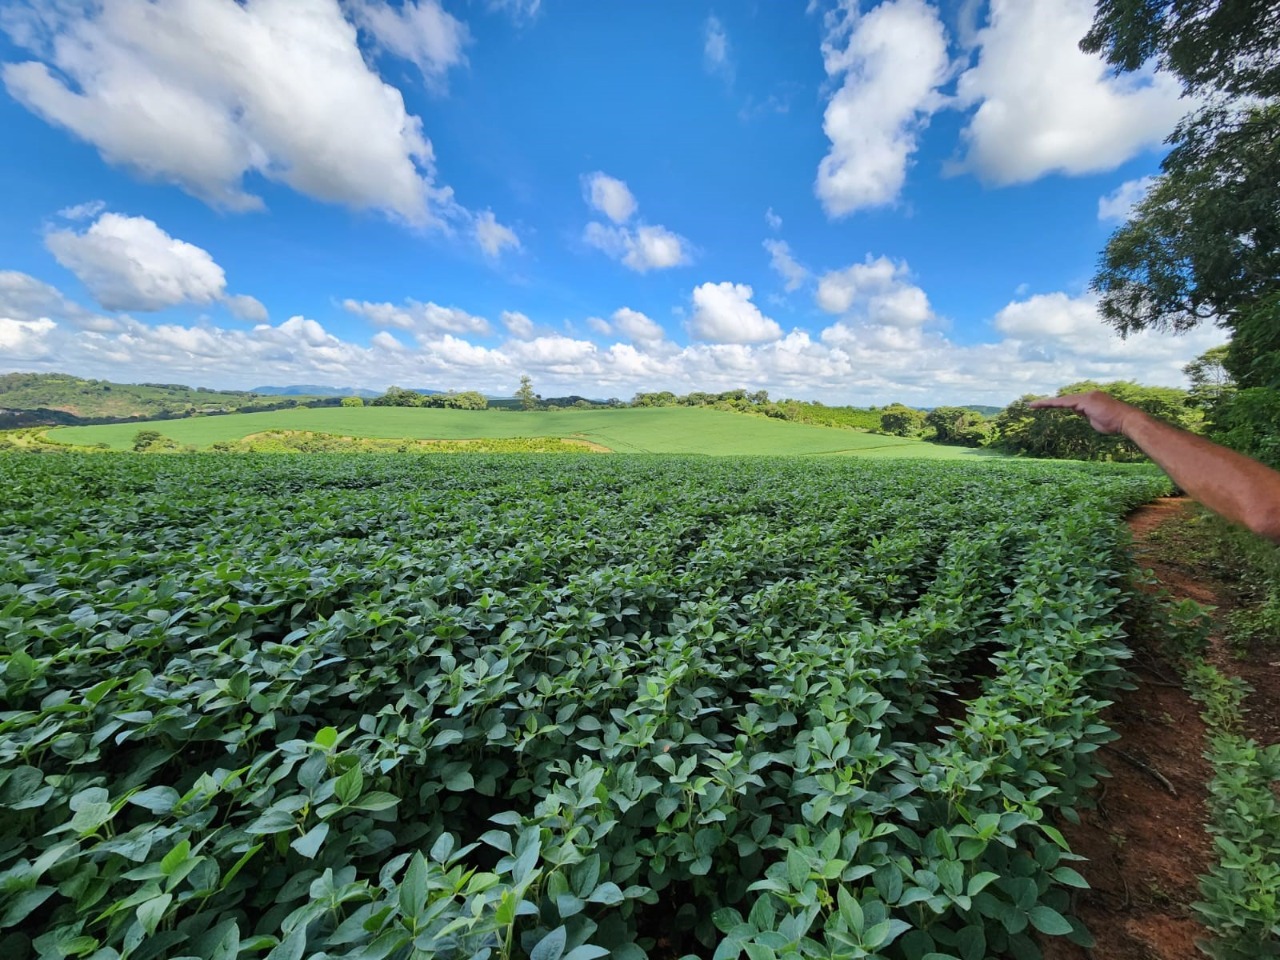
[1106, 414]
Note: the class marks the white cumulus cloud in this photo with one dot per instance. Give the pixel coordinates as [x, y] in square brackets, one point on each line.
[635, 326]
[420, 31]
[1067, 332]
[1119, 203]
[129, 263]
[640, 246]
[247, 308]
[424, 320]
[1039, 343]
[609, 196]
[654, 248]
[1044, 106]
[893, 60]
[878, 291]
[83, 211]
[493, 236]
[785, 265]
[517, 324]
[643, 249]
[724, 313]
[27, 300]
[25, 339]
[203, 93]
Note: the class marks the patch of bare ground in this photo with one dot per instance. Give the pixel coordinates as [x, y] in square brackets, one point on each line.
[1146, 842]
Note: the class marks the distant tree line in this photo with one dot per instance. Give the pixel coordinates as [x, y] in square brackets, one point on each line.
[1213, 402]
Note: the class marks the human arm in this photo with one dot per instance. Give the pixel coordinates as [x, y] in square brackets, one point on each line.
[1229, 483]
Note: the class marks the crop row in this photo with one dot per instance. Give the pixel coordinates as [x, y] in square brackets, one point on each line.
[365, 707]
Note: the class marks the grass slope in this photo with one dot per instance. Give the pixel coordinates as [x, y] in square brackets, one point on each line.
[651, 430]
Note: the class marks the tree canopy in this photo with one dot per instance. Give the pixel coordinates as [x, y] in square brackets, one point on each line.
[1204, 244]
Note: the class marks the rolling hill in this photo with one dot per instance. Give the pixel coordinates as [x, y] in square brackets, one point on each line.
[38, 399]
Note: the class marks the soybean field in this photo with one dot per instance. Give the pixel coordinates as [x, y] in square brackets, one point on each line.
[510, 707]
[628, 430]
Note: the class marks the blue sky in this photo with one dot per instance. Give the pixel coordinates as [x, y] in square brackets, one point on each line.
[855, 202]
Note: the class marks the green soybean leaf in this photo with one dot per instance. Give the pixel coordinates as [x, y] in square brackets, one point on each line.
[349, 786]
[1047, 920]
[327, 737]
[588, 951]
[441, 849]
[376, 800]
[550, 947]
[413, 888]
[21, 906]
[151, 912]
[158, 800]
[292, 946]
[608, 893]
[175, 858]
[1071, 878]
[308, 845]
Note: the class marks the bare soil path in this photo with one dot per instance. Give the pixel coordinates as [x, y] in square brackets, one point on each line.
[1146, 841]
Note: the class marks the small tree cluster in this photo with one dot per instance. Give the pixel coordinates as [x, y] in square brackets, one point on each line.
[1063, 435]
[958, 426]
[403, 397]
[898, 420]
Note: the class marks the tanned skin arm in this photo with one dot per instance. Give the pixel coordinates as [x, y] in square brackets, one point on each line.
[1229, 483]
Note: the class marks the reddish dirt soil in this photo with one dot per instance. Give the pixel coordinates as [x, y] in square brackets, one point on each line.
[1146, 841]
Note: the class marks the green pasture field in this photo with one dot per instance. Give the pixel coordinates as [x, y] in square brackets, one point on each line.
[642, 430]
[501, 707]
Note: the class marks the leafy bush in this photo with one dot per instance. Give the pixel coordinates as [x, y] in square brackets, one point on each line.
[1241, 905]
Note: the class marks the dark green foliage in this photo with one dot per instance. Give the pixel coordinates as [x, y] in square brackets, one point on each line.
[145, 441]
[403, 397]
[958, 425]
[1204, 244]
[462, 400]
[1211, 45]
[900, 421]
[273, 706]
[1253, 357]
[399, 397]
[1063, 435]
[1249, 421]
